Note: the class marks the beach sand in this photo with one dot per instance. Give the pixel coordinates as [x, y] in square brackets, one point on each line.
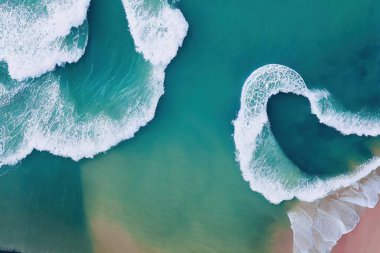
[365, 237]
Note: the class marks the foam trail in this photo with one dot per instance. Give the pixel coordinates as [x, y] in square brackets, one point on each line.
[48, 121]
[262, 161]
[318, 225]
[33, 38]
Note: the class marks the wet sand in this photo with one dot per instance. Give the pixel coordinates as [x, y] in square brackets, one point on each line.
[365, 237]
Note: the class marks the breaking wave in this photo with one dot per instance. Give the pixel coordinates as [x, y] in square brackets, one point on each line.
[262, 162]
[34, 38]
[42, 114]
[157, 33]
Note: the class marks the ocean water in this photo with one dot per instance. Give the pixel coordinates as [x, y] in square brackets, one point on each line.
[77, 90]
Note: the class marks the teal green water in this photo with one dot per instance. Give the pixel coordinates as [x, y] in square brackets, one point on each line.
[35, 218]
[110, 65]
[331, 155]
[175, 186]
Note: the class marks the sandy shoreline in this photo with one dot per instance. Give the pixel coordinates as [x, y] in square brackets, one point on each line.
[365, 237]
[321, 216]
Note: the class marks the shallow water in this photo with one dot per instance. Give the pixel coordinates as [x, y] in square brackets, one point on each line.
[175, 186]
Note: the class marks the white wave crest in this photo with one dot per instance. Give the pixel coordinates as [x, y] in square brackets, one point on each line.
[157, 32]
[32, 39]
[262, 161]
[48, 121]
[318, 225]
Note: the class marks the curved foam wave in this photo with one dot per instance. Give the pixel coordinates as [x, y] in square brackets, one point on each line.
[263, 163]
[48, 122]
[158, 32]
[40, 116]
[33, 37]
[318, 225]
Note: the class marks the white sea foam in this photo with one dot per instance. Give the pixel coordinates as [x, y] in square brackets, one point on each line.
[262, 161]
[318, 225]
[46, 121]
[32, 39]
[157, 32]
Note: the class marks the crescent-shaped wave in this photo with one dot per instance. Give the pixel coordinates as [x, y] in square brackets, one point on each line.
[33, 36]
[263, 163]
[40, 114]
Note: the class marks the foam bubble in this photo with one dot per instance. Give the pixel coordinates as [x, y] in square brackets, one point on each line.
[157, 32]
[262, 161]
[318, 225]
[33, 37]
[40, 116]
[48, 122]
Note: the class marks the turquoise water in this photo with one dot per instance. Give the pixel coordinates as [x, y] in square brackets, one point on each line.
[175, 186]
[35, 218]
[333, 153]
